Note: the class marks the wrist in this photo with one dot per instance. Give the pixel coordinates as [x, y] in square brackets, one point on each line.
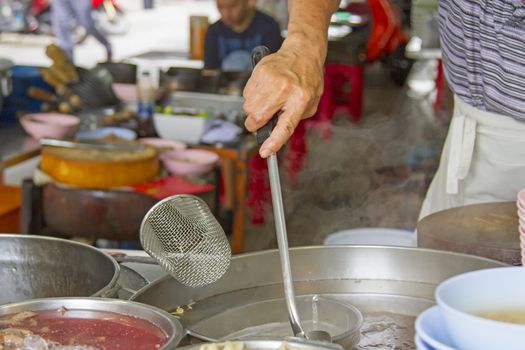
[304, 43]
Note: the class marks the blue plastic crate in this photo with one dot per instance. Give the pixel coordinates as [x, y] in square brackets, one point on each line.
[23, 77]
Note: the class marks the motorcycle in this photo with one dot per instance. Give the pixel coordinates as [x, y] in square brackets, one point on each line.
[34, 16]
[110, 17]
[12, 15]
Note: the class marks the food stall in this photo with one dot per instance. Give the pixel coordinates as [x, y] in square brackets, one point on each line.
[118, 183]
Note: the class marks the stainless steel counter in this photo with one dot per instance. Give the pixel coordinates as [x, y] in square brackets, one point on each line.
[16, 146]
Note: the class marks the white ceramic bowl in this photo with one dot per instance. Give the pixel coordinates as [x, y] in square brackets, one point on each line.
[460, 297]
[53, 125]
[183, 128]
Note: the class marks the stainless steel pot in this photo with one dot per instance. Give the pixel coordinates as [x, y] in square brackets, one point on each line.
[180, 79]
[167, 323]
[38, 266]
[389, 285]
[5, 79]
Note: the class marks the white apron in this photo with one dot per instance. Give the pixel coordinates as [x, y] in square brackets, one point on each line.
[483, 160]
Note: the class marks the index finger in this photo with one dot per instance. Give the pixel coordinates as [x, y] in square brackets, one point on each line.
[286, 124]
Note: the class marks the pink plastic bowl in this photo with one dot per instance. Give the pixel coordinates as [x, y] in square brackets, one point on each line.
[521, 211]
[125, 92]
[189, 161]
[163, 143]
[53, 125]
[521, 197]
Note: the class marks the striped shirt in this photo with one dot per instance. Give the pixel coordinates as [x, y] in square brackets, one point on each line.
[483, 46]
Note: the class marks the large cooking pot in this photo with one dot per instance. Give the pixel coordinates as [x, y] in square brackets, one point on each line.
[38, 266]
[77, 307]
[123, 73]
[180, 79]
[5, 79]
[389, 285]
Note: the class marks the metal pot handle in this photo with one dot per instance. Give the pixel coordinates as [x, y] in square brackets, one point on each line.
[123, 258]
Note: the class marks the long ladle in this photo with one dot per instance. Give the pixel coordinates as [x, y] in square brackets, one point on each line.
[262, 134]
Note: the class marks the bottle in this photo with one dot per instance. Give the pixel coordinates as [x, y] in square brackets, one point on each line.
[146, 95]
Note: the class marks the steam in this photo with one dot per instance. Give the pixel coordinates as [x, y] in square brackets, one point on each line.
[374, 174]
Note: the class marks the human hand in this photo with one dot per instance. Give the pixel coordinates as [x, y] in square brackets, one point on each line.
[289, 81]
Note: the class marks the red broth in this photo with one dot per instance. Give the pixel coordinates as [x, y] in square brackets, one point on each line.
[100, 329]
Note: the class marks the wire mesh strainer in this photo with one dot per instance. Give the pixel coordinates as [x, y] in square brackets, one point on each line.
[182, 234]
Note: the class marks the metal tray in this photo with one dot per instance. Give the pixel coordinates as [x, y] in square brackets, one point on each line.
[216, 104]
[389, 285]
[272, 344]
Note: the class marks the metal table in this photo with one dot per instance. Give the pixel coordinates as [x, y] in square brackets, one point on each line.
[16, 146]
[237, 158]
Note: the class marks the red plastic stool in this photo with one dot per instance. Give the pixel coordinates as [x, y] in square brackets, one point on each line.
[440, 87]
[297, 151]
[258, 188]
[343, 90]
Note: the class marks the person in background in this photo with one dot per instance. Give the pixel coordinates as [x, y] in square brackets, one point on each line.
[483, 48]
[229, 41]
[278, 9]
[63, 11]
[483, 159]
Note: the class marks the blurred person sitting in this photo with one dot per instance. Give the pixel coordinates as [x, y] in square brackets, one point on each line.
[63, 11]
[229, 41]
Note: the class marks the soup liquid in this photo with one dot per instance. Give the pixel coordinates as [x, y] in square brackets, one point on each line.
[504, 315]
[99, 329]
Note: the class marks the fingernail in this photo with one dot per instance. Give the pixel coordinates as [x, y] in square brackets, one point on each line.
[264, 152]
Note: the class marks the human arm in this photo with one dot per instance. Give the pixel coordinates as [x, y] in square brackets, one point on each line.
[290, 80]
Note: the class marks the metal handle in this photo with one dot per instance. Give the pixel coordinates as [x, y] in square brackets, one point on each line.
[282, 243]
[258, 53]
[263, 133]
[122, 258]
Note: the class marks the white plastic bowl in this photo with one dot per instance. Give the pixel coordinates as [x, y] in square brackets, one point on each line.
[372, 236]
[460, 297]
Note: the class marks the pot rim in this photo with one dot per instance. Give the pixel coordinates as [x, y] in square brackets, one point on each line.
[107, 289]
